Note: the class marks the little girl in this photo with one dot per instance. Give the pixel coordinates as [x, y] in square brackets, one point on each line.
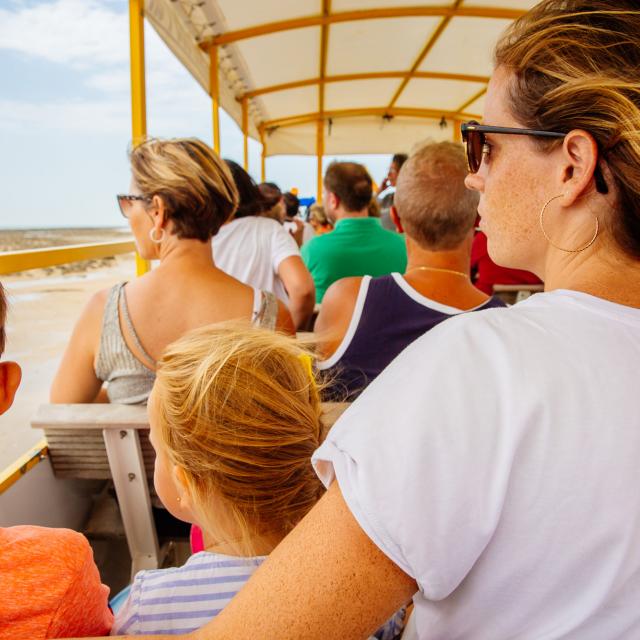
[234, 417]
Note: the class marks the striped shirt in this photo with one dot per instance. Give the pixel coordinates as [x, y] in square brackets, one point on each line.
[182, 599]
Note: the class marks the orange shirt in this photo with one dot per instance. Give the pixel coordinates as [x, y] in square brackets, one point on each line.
[49, 585]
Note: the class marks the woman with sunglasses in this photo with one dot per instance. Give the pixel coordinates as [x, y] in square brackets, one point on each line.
[492, 471]
[181, 194]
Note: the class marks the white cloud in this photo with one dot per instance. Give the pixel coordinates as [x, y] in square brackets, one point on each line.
[83, 33]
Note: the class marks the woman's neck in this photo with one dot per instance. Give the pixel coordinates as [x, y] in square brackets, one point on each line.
[186, 254]
[261, 545]
[602, 271]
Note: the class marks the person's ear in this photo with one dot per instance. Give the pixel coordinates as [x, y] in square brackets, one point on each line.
[10, 376]
[158, 212]
[182, 487]
[333, 200]
[395, 218]
[579, 161]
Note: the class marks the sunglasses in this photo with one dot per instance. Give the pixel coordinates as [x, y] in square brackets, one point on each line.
[473, 135]
[125, 201]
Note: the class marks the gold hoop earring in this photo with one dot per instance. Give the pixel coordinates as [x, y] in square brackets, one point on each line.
[153, 237]
[552, 243]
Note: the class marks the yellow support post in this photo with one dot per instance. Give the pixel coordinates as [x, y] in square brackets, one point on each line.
[263, 157]
[245, 132]
[214, 88]
[457, 134]
[320, 153]
[138, 90]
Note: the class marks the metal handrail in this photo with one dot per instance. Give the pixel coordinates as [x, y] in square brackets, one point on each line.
[14, 261]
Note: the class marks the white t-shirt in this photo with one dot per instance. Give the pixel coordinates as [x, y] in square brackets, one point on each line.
[497, 461]
[251, 250]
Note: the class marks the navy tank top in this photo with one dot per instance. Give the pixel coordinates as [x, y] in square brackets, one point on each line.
[389, 315]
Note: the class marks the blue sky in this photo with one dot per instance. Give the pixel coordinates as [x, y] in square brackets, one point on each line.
[65, 114]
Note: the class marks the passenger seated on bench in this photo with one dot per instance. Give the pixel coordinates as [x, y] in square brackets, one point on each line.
[365, 322]
[49, 586]
[181, 194]
[234, 419]
[234, 416]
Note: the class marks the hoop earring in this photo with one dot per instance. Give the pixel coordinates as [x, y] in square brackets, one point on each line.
[552, 243]
[153, 237]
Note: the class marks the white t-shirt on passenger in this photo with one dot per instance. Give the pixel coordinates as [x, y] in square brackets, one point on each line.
[497, 461]
[251, 250]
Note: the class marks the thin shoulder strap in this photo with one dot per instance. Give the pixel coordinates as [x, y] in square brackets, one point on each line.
[127, 318]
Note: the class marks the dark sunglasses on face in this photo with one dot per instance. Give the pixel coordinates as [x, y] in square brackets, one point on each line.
[473, 135]
[125, 201]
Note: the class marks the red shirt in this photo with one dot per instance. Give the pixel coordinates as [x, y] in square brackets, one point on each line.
[489, 273]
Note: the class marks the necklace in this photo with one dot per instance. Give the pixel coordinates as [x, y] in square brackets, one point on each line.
[439, 270]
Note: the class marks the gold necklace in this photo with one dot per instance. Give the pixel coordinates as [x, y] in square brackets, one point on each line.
[439, 270]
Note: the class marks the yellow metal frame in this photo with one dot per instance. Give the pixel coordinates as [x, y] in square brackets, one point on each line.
[263, 156]
[138, 90]
[26, 462]
[374, 75]
[363, 14]
[214, 90]
[245, 133]
[14, 261]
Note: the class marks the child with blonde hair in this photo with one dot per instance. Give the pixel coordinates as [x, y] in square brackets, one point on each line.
[234, 416]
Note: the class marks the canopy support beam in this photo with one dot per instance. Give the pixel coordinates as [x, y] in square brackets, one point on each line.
[433, 114]
[423, 54]
[138, 91]
[363, 14]
[263, 157]
[376, 75]
[214, 89]
[319, 154]
[245, 133]
[472, 99]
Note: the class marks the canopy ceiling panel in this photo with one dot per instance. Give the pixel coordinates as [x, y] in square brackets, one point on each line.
[477, 106]
[384, 72]
[374, 136]
[359, 93]
[282, 57]
[283, 104]
[502, 4]
[448, 95]
[359, 5]
[464, 47]
[244, 13]
[369, 45]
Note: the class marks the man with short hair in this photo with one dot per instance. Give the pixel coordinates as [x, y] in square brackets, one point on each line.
[366, 322]
[358, 245]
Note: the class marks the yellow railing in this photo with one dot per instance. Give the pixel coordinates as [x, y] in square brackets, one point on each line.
[14, 261]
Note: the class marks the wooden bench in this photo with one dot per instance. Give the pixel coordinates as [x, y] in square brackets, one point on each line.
[111, 442]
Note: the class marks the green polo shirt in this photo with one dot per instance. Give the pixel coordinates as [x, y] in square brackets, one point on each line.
[356, 247]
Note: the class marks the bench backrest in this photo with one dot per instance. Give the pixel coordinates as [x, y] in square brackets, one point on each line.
[75, 439]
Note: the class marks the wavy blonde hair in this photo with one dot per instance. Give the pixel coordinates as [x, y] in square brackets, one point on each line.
[240, 414]
[576, 65]
[196, 186]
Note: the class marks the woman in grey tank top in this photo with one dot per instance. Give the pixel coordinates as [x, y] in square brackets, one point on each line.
[181, 193]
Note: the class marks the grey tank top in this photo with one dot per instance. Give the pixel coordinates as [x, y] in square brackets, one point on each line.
[128, 380]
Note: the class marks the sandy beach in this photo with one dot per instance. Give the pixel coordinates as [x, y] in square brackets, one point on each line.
[43, 307]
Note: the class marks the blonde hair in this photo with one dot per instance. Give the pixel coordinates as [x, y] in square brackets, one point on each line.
[195, 185]
[240, 414]
[576, 65]
[434, 206]
[318, 214]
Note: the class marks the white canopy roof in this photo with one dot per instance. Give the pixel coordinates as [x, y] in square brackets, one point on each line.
[379, 74]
